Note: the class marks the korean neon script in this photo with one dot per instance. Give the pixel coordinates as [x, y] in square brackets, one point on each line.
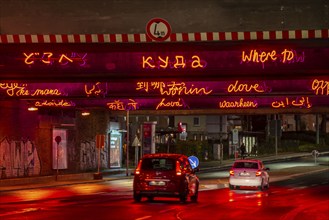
[164, 103]
[172, 88]
[241, 103]
[49, 58]
[178, 62]
[54, 103]
[248, 87]
[16, 89]
[300, 102]
[122, 106]
[320, 87]
[285, 57]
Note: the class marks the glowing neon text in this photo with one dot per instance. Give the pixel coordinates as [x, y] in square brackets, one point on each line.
[49, 58]
[172, 89]
[95, 90]
[258, 56]
[171, 104]
[301, 102]
[238, 104]
[320, 87]
[244, 87]
[15, 89]
[179, 62]
[54, 103]
[121, 106]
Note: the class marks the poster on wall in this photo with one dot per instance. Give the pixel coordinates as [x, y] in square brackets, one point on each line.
[59, 149]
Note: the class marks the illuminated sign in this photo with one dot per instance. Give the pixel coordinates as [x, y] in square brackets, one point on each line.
[179, 62]
[301, 102]
[259, 56]
[51, 58]
[164, 103]
[172, 88]
[54, 103]
[241, 103]
[247, 87]
[95, 90]
[122, 106]
[15, 89]
[320, 87]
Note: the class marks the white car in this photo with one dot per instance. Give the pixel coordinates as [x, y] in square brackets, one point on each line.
[249, 173]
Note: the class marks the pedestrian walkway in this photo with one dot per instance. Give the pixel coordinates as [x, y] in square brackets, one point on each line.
[115, 174]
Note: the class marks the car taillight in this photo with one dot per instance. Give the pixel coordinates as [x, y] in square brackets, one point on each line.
[231, 173]
[138, 169]
[258, 173]
[178, 170]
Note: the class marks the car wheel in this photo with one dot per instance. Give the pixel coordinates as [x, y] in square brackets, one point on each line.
[194, 198]
[137, 197]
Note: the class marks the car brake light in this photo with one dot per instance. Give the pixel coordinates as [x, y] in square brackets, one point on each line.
[178, 170]
[231, 173]
[258, 173]
[137, 171]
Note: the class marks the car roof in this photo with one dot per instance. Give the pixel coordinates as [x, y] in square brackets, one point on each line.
[164, 155]
[248, 160]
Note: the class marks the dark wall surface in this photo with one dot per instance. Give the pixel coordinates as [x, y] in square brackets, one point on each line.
[131, 16]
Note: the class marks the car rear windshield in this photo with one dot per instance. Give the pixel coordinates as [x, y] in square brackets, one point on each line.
[158, 164]
[251, 165]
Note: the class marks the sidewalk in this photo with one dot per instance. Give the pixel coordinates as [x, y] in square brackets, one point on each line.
[114, 174]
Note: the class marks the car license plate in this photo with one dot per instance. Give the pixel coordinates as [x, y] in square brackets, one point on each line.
[244, 174]
[157, 183]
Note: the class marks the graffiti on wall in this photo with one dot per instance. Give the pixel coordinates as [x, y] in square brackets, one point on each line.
[18, 159]
[89, 156]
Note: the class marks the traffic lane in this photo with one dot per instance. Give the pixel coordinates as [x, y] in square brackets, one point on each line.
[276, 203]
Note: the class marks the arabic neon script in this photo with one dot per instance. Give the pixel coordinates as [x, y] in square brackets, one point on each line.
[54, 103]
[164, 103]
[51, 58]
[172, 88]
[95, 90]
[238, 104]
[15, 89]
[301, 102]
[178, 62]
[259, 56]
[121, 106]
[320, 87]
[245, 87]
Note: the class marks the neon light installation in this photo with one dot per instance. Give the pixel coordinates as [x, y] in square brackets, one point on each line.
[286, 56]
[171, 104]
[179, 62]
[15, 89]
[301, 102]
[54, 103]
[244, 87]
[173, 88]
[49, 58]
[121, 106]
[238, 104]
[94, 90]
[320, 87]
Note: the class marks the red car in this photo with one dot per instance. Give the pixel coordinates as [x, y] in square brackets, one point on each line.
[165, 175]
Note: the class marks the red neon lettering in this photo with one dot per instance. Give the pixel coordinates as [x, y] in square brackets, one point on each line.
[320, 87]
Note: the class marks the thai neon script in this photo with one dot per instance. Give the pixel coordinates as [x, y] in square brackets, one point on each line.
[121, 106]
[320, 87]
[94, 90]
[286, 56]
[301, 102]
[54, 103]
[238, 104]
[164, 103]
[172, 88]
[178, 62]
[15, 89]
[50, 58]
[245, 87]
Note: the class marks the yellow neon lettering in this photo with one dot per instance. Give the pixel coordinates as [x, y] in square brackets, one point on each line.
[49, 55]
[27, 58]
[45, 92]
[301, 102]
[238, 104]
[287, 55]
[320, 87]
[180, 62]
[64, 57]
[196, 62]
[146, 62]
[240, 87]
[169, 104]
[54, 103]
[116, 105]
[164, 61]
